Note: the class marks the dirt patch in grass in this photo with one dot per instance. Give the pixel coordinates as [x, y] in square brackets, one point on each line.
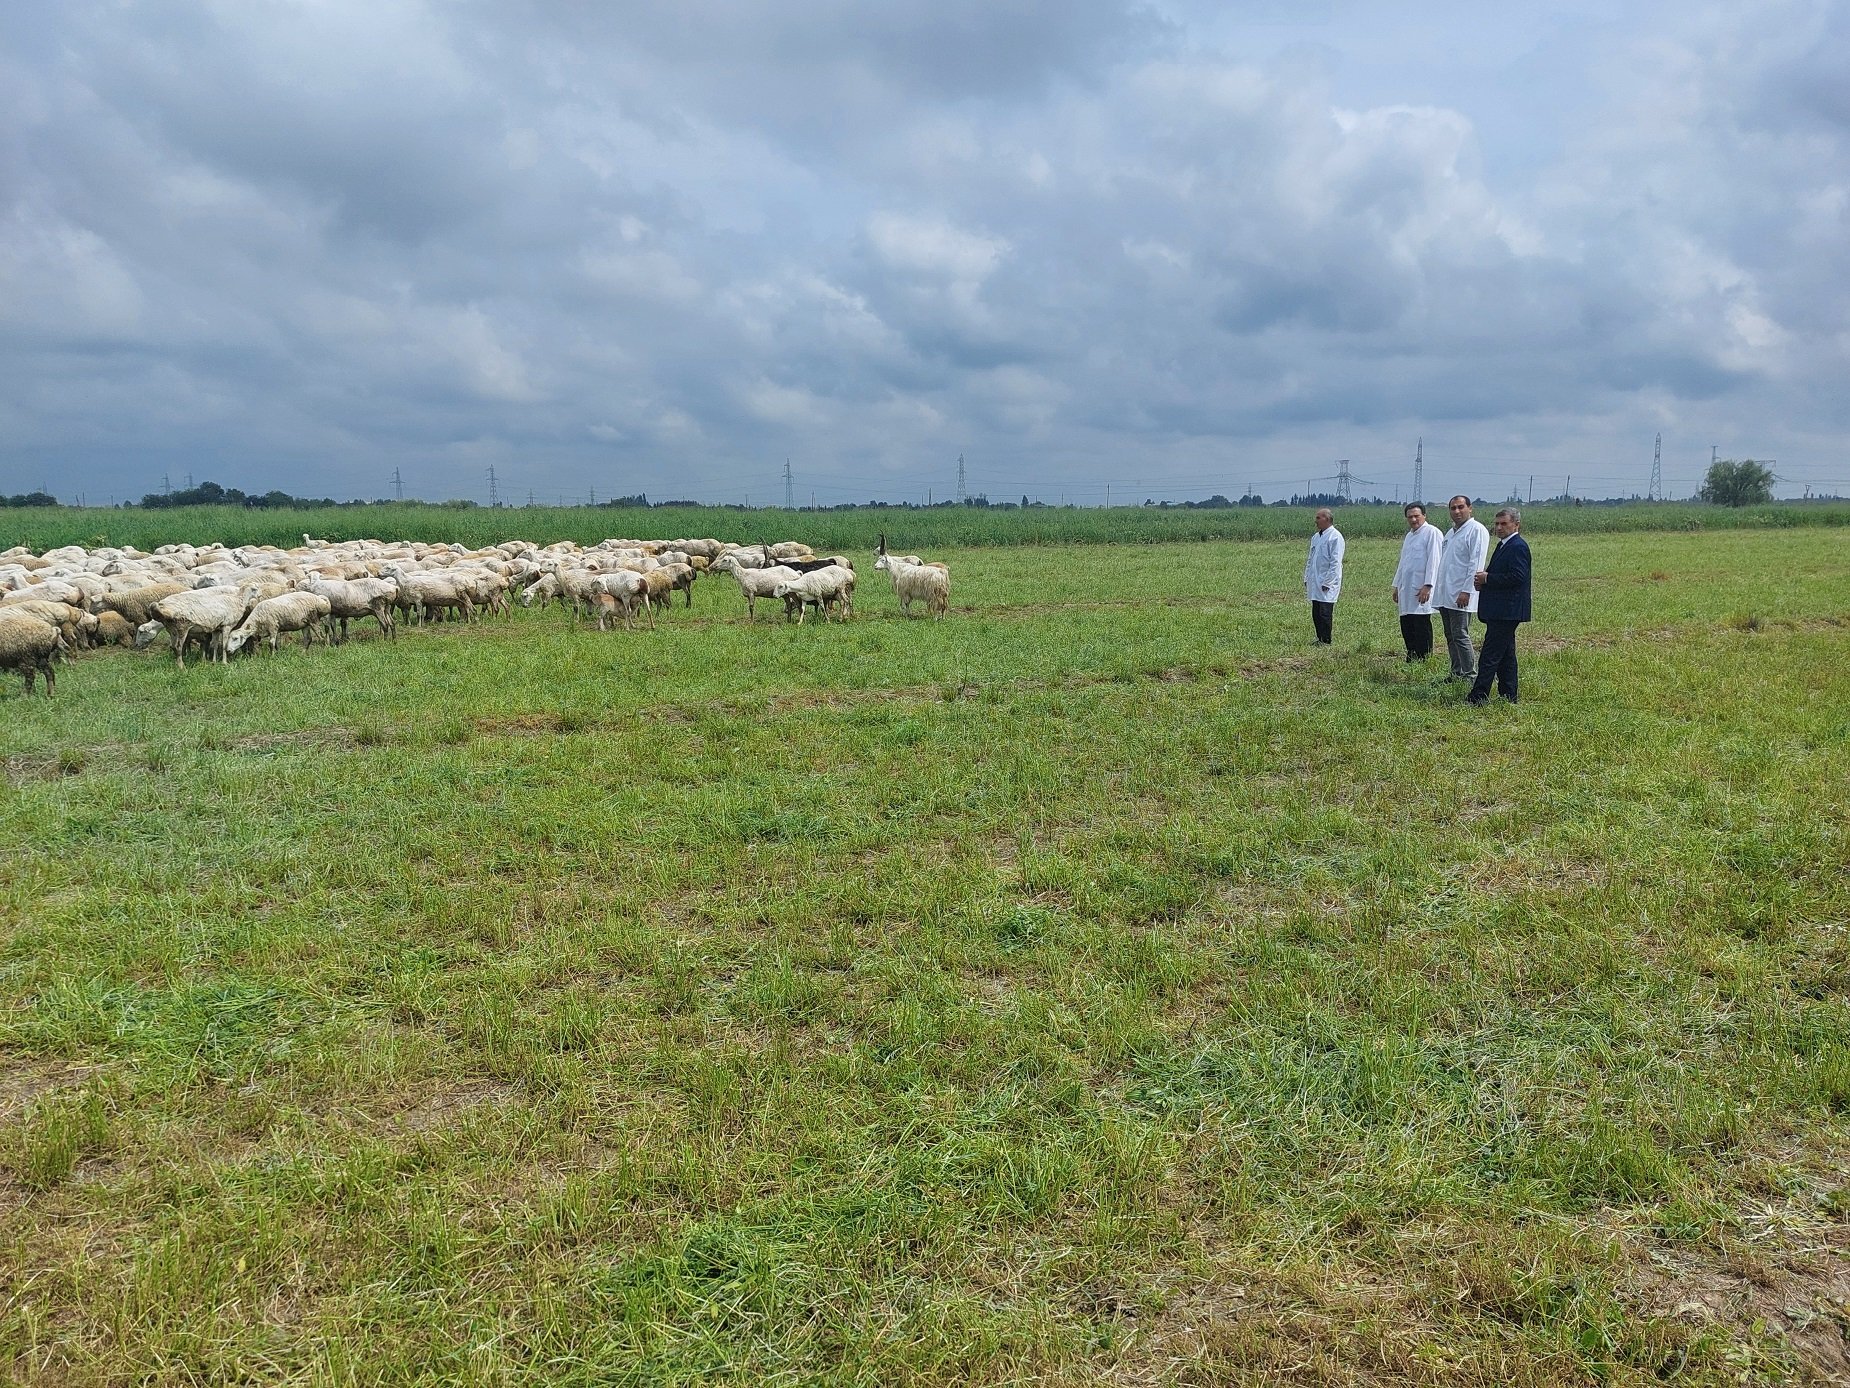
[447, 1106]
[1791, 1283]
[23, 1082]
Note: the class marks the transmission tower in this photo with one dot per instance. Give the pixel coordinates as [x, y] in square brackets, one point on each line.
[1344, 479]
[1419, 472]
[1657, 471]
[494, 495]
[790, 501]
[398, 484]
[962, 495]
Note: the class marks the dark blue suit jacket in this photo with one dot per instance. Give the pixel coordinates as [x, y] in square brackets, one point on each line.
[1505, 595]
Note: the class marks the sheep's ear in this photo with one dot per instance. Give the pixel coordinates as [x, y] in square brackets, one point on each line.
[883, 542]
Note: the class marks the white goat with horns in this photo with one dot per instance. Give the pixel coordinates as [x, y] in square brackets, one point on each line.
[913, 578]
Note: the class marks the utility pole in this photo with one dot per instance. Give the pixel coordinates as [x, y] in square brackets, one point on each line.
[1419, 472]
[1657, 470]
[1108, 496]
[166, 486]
[790, 503]
[594, 496]
[398, 484]
[494, 495]
[962, 495]
[1532, 489]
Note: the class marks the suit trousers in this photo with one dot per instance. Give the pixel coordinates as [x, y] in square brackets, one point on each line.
[1496, 660]
[1416, 631]
[1458, 642]
[1323, 617]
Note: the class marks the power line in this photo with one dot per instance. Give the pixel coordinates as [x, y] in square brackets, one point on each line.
[1343, 478]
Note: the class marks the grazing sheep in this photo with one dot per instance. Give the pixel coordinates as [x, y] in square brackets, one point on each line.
[619, 592]
[661, 584]
[113, 629]
[427, 594]
[911, 579]
[206, 612]
[542, 590]
[27, 645]
[350, 599]
[758, 583]
[74, 624]
[137, 604]
[821, 589]
[682, 576]
[303, 612]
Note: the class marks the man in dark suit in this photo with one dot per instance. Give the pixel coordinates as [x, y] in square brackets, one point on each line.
[1502, 605]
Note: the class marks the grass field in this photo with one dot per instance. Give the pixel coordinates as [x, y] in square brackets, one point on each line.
[853, 530]
[1104, 985]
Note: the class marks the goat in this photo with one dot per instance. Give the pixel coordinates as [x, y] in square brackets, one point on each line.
[912, 579]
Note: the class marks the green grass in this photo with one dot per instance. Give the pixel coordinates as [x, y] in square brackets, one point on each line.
[1102, 985]
[855, 530]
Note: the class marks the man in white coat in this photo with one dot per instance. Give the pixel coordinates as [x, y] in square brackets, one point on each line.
[1416, 580]
[1323, 574]
[1467, 546]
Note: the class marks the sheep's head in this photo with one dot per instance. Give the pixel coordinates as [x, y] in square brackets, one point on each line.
[880, 564]
[146, 632]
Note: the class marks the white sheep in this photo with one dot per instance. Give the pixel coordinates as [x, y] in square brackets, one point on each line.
[822, 589]
[206, 612]
[912, 578]
[350, 599]
[619, 592]
[756, 583]
[425, 593]
[303, 612]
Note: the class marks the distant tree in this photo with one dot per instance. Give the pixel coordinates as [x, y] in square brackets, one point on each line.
[1731, 483]
[29, 499]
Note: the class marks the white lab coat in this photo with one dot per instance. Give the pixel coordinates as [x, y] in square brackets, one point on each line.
[1324, 565]
[1467, 547]
[1419, 566]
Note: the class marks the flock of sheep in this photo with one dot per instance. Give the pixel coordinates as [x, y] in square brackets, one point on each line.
[226, 600]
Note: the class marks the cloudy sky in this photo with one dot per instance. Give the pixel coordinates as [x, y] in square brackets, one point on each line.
[1098, 249]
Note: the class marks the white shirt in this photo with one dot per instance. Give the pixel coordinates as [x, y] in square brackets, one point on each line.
[1467, 547]
[1419, 568]
[1323, 567]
